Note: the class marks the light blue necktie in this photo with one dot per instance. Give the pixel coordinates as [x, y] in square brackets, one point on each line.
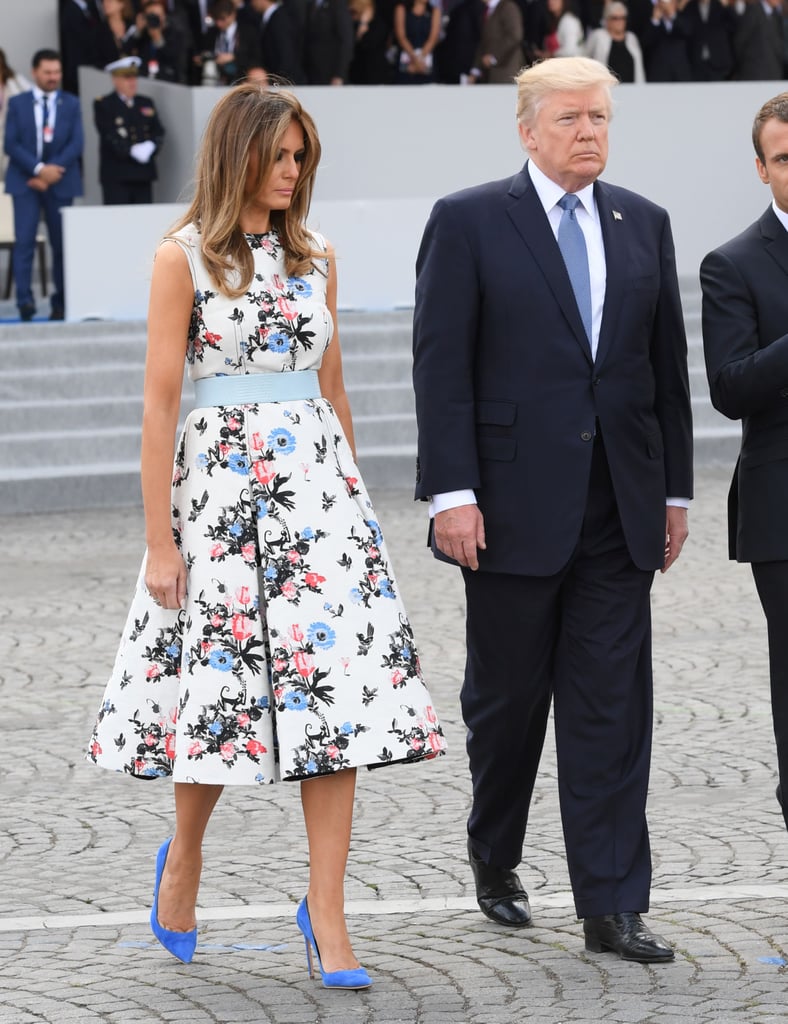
[572, 244]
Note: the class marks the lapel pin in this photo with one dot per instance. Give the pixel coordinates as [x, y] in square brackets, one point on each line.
[617, 215]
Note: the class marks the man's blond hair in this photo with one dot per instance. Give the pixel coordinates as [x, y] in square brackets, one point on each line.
[559, 74]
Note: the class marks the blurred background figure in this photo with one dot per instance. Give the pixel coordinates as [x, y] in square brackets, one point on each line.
[114, 31]
[234, 44]
[758, 43]
[160, 45]
[371, 38]
[328, 42]
[280, 40]
[564, 36]
[417, 29]
[499, 55]
[615, 46]
[709, 25]
[79, 24]
[665, 44]
[11, 84]
[130, 136]
[456, 52]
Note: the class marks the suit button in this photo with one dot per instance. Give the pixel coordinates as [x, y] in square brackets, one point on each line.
[586, 435]
[596, 381]
[784, 393]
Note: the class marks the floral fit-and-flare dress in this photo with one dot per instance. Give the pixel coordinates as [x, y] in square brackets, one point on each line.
[293, 656]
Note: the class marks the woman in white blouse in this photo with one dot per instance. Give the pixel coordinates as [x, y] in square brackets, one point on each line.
[614, 46]
[564, 31]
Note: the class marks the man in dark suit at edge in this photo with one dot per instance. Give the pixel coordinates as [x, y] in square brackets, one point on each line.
[745, 338]
[43, 142]
[555, 443]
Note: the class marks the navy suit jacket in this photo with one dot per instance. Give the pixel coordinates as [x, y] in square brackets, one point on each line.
[21, 140]
[745, 338]
[507, 395]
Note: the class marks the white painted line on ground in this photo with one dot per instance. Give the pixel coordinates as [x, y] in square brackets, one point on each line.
[272, 911]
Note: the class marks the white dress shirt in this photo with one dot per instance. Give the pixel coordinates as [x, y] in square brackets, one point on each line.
[38, 113]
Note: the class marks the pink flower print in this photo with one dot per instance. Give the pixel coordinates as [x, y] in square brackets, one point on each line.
[345, 662]
[153, 672]
[313, 580]
[206, 647]
[258, 441]
[227, 751]
[373, 552]
[296, 633]
[169, 745]
[139, 765]
[176, 476]
[429, 714]
[242, 627]
[95, 749]
[289, 590]
[372, 577]
[195, 749]
[332, 750]
[304, 663]
[396, 677]
[224, 448]
[286, 308]
[276, 280]
[216, 621]
[280, 665]
[233, 423]
[254, 748]
[293, 556]
[416, 743]
[436, 742]
[243, 596]
[264, 470]
[242, 720]
[150, 740]
[217, 550]
[249, 553]
[350, 483]
[212, 339]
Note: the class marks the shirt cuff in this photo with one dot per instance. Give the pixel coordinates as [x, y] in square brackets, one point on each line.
[37, 168]
[450, 499]
[678, 502]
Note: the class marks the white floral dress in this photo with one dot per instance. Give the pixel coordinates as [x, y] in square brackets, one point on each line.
[293, 655]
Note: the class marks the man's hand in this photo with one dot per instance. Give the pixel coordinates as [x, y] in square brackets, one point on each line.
[676, 532]
[459, 533]
[37, 184]
[51, 173]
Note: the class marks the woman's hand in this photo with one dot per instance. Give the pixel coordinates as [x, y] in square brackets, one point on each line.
[165, 577]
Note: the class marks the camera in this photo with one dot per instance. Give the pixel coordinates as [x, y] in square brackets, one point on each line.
[153, 20]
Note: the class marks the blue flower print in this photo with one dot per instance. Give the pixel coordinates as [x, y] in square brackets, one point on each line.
[321, 635]
[223, 660]
[296, 701]
[282, 441]
[202, 459]
[311, 765]
[356, 596]
[238, 463]
[278, 342]
[347, 728]
[262, 509]
[173, 650]
[270, 572]
[385, 588]
[308, 533]
[301, 287]
[375, 531]
[215, 728]
[236, 530]
[262, 702]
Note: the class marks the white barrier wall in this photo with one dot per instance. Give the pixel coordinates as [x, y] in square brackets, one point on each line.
[389, 151]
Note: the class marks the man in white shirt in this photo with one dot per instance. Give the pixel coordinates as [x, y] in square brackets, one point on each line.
[555, 441]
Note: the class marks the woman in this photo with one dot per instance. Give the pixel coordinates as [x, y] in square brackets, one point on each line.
[564, 31]
[614, 46]
[11, 84]
[369, 65]
[417, 29]
[266, 641]
[114, 32]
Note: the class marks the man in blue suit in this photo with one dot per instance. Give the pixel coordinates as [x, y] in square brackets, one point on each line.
[43, 140]
[555, 443]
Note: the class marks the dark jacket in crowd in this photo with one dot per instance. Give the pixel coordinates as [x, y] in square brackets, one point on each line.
[281, 46]
[120, 127]
[710, 41]
[328, 41]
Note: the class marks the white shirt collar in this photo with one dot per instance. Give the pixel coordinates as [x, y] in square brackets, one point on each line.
[267, 15]
[780, 215]
[39, 94]
[549, 193]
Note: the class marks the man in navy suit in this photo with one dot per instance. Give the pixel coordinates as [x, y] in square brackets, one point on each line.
[555, 443]
[43, 141]
[745, 337]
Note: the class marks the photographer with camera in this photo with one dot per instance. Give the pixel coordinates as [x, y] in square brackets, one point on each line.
[160, 46]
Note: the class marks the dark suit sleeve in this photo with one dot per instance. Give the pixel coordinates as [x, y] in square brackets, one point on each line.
[16, 150]
[672, 402]
[71, 142]
[343, 27]
[445, 329]
[108, 133]
[744, 378]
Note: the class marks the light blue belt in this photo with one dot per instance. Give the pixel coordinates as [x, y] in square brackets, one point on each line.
[248, 388]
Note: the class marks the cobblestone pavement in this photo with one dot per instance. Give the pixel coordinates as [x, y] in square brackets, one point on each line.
[77, 844]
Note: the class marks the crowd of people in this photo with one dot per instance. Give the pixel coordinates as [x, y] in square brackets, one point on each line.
[375, 42]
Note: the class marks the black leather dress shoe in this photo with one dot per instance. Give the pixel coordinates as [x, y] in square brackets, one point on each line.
[57, 313]
[27, 311]
[627, 935]
[499, 892]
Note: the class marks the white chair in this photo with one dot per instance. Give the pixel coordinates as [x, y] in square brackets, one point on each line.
[8, 239]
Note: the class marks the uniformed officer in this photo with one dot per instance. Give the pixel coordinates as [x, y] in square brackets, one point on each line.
[131, 135]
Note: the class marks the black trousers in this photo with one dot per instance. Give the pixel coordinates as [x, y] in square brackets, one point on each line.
[582, 638]
[771, 581]
[118, 193]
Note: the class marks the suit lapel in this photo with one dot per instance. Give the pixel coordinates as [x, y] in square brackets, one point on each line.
[530, 220]
[776, 238]
[615, 228]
